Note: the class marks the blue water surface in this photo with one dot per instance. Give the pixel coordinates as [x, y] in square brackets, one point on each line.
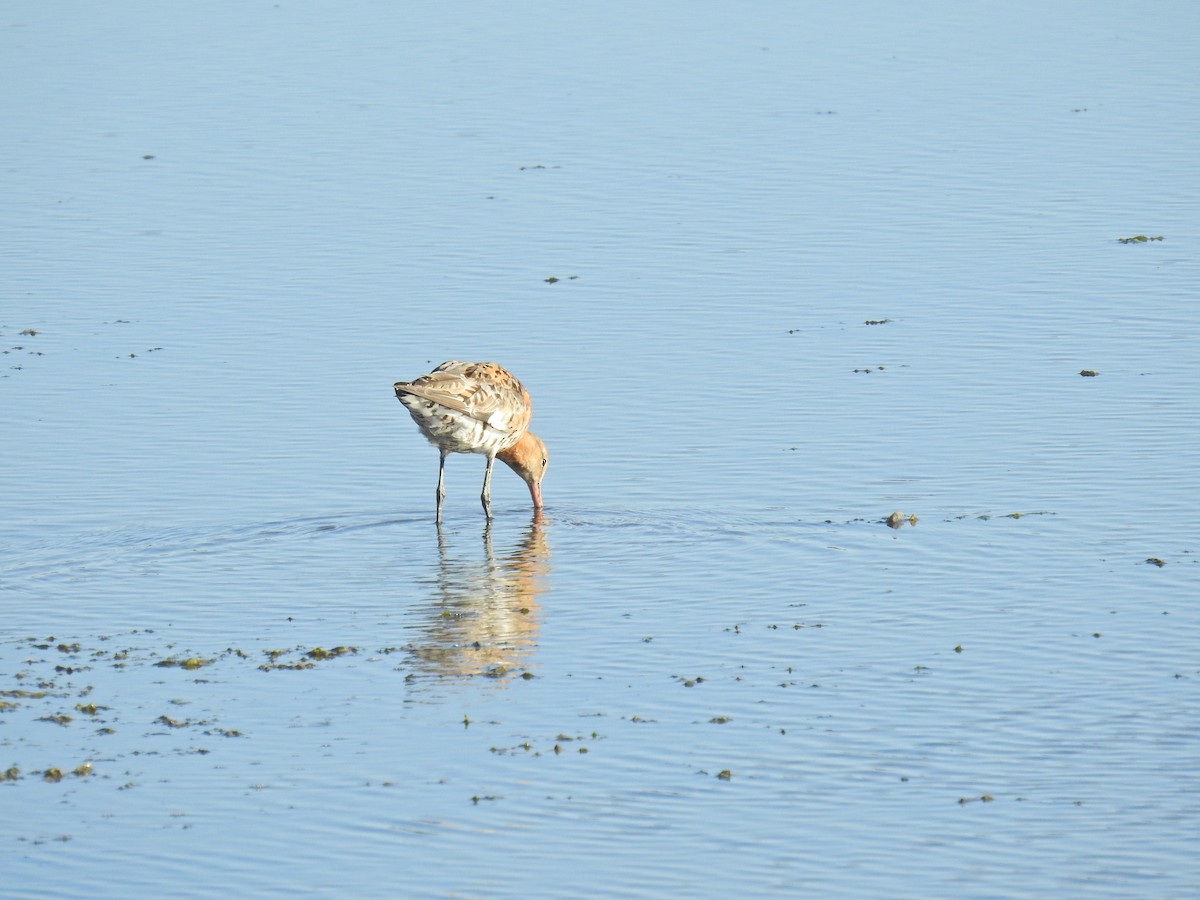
[770, 273]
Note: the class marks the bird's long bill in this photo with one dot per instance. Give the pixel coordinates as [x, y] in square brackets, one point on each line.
[535, 491]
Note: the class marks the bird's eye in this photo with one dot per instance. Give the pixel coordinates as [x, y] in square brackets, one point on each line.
[545, 462]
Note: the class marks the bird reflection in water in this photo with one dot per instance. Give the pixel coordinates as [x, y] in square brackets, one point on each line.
[485, 618]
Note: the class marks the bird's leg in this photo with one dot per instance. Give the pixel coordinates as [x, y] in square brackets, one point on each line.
[441, 490]
[486, 496]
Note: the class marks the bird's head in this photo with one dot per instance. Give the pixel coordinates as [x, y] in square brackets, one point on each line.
[529, 459]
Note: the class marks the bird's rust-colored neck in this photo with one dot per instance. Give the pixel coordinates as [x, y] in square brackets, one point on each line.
[528, 458]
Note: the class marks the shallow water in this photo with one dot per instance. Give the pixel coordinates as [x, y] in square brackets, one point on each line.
[710, 668]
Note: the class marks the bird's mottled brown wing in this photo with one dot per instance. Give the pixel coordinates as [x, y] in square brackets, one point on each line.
[486, 392]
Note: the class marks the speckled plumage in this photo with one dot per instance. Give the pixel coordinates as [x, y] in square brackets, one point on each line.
[470, 407]
[466, 407]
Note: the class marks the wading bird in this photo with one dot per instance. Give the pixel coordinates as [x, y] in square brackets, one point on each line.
[469, 407]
